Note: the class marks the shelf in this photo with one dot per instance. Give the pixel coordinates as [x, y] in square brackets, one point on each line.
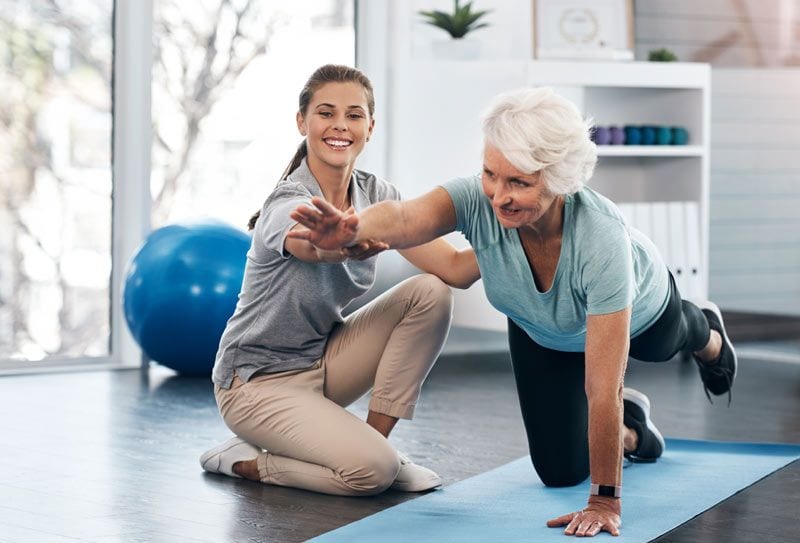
[683, 75]
[601, 74]
[650, 150]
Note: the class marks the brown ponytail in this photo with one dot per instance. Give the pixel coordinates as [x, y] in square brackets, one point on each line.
[302, 151]
[330, 73]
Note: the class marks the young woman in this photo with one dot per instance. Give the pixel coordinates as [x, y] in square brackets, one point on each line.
[289, 363]
[580, 288]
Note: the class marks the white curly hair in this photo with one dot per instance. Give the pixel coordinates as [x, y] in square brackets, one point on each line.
[539, 131]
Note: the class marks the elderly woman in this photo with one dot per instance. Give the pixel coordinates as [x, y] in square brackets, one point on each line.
[581, 289]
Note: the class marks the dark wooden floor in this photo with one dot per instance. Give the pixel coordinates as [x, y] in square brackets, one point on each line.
[112, 456]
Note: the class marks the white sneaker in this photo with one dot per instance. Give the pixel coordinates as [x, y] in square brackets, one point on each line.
[221, 458]
[413, 477]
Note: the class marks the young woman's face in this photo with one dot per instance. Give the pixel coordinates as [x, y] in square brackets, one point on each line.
[518, 199]
[337, 124]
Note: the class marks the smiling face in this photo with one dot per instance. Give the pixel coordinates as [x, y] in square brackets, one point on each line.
[519, 200]
[337, 124]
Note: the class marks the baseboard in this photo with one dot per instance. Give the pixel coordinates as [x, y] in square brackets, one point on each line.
[743, 326]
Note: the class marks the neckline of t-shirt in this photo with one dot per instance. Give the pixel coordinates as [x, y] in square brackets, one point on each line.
[565, 239]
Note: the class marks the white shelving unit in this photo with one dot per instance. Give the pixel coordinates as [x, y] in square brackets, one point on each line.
[433, 134]
[663, 190]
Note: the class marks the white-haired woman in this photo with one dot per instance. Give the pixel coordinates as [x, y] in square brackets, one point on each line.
[582, 292]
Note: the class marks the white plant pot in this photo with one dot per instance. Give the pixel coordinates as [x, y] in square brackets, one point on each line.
[457, 49]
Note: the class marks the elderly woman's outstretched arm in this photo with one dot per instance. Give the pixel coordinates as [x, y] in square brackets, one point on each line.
[412, 226]
[400, 224]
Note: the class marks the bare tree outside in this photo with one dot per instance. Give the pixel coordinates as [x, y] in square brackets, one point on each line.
[199, 55]
[55, 129]
[225, 84]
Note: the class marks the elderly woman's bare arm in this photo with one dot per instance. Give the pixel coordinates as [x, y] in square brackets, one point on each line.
[456, 267]
[607, 343]
[399, 224]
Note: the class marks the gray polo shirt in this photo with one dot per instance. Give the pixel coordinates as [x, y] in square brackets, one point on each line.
[287, 307]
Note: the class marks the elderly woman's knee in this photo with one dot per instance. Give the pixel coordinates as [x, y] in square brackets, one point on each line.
[560, 474]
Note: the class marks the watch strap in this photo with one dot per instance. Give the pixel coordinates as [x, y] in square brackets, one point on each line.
[608, 491]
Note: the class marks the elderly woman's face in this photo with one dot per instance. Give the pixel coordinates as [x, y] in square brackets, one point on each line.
[518, 199]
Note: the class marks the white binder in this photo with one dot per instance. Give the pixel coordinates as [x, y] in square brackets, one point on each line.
[661, 230]
[642, 218]
[677, 235]
[694, 264]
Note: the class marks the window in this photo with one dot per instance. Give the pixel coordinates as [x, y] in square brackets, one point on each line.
[55, 195]
[226, 74]
[225, 83]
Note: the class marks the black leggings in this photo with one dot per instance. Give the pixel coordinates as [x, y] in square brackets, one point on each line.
[551, 387]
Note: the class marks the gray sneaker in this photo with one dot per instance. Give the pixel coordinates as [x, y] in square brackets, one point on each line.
[636, 416]
[719, 374]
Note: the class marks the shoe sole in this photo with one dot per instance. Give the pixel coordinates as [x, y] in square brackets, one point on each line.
[216, 451]
[420, 487]
[711, 306]
[636, 397]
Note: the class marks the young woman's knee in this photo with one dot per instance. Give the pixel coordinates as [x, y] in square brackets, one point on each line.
[371, 474]
[434, 292]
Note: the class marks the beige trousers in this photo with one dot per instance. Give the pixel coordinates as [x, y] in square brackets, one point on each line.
[299, 417]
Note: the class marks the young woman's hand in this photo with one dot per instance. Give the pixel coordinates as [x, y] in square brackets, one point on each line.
[601, 514]
[326, 226]
[364, 249]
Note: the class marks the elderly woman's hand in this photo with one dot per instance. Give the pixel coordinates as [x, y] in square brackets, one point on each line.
[601, 514]
[328, 228]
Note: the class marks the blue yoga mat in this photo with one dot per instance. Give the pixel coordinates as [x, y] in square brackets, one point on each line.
[510, 503]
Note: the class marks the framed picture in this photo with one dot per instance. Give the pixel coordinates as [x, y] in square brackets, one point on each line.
[583, 29]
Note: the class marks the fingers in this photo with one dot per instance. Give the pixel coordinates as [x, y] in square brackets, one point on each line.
[585, 528]
[307, 216]
[318, 211]
[324, 216]
[325, 207]
[365, 249]
[563, 520]
[586, 524]
[350, 222]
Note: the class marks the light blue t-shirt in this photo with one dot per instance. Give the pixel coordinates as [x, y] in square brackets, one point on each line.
[604, 267]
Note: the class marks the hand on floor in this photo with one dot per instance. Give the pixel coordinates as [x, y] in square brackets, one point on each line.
[596, 517]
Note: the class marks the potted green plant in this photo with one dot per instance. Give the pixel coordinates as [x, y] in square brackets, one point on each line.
[661, 55]
[462, 21]
[459, 23]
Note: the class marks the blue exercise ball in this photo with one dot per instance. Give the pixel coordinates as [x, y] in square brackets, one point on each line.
[181, 288]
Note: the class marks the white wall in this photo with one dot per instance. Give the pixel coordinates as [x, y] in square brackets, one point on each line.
[755, 177]
[755, 190]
